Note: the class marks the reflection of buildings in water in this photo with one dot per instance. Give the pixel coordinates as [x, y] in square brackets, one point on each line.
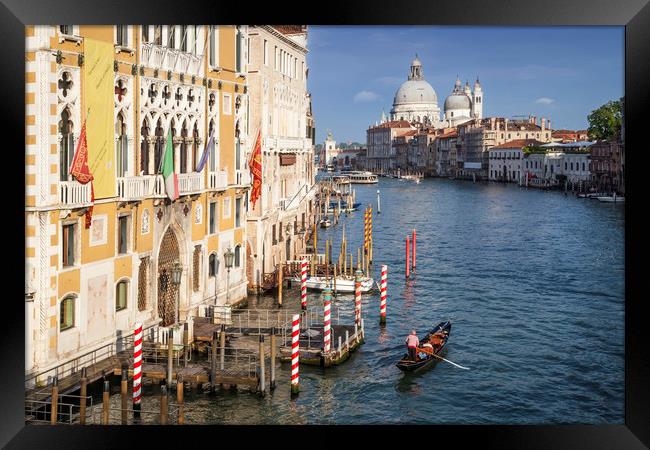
[383, 337]
[409, 293]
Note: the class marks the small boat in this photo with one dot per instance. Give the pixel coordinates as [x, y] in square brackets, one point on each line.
[611, 199]
[344, 283]
[442, 330]
[362, 177]
[324, 223]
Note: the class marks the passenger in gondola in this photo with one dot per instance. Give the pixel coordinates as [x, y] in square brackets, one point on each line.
[436, 341]
[429, 349]
[412, 343]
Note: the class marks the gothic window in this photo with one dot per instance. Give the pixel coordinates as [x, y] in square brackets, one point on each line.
[213, 264]
[66, 145]
[195, 147]
[120, 90]
[196, 268]
[184, 142]
[190, 97]
[66, 314]
[144, 148]
[178, 96]
[157, 34]
[142, 283]
[152, 92]
[238, 256]
[68, 232]
[211, 102]
[166, 94]
[121, 293]
[122, 142]
[159, 146]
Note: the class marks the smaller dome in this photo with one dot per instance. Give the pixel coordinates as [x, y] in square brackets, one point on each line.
[457, 101]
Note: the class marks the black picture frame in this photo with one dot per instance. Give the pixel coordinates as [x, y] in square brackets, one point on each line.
[633, 14]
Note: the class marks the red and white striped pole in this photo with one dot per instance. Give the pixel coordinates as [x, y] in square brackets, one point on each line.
[303, 283]
[137, 370]
[414, 235]
[382, 289]
[357, 297]
[327, 292]
[295, 354]
[408, 259]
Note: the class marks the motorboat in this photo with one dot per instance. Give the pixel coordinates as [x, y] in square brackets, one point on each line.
[362, 177]
[611, 199]
[325, 223]
[344, 283]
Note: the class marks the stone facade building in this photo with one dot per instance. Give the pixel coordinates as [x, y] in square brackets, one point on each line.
[607, 166]
[280, 109]
[381, 155]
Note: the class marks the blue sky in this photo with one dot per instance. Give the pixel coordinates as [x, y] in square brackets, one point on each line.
[562, 73]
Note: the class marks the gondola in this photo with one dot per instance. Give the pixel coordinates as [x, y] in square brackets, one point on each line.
[406, 365]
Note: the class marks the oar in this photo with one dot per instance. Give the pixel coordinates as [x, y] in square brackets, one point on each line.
[429, 352]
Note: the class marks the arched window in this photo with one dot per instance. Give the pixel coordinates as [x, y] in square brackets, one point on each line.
[195, 147]
[66, 145]
[213, 265]
[144, 148]
[159, 147]
[184, 143]
[66, 313]
[121, 294]
[122, 150]
[237, 256]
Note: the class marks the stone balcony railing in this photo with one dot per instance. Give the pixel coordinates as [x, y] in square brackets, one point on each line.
[242, 178]
[74, 194]
[163, 58]
[136, 188]
[218, 181]
[288, 143]
[190, 183]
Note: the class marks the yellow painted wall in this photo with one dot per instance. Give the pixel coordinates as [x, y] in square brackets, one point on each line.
[143, 242]
[239, 236]
[213, 243]
[98, 252]
[69, 282]
[226, 224]
[123, 267]
[199, 230]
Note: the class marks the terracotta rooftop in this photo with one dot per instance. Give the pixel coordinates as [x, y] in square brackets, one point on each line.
[518, 143]
[449, 134]
[394, 124]
[291, 29]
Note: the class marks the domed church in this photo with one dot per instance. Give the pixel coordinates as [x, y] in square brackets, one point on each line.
[416, 100]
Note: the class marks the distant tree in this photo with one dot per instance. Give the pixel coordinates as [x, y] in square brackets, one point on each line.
[605, 122]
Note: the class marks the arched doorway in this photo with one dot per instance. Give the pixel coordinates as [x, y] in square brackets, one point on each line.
[167, 291]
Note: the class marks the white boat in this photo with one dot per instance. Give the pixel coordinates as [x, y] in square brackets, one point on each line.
[325, 223]
[362, 177]
[611, 199]
[343, 283]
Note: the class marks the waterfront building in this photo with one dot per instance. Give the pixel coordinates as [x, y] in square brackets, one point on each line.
[330, 152]
[505, 160]
[564, 136]
[607, 165]
[421, 157]
[130, 89]
[401, 149]
[416, 101]
[381, 153]
[445, 145]
[279, 101]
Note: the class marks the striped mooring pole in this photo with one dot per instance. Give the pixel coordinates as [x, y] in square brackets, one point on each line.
[137, 371]
[408, 259]
[413, 243]
[382, 289]
[326, 319]
[303, 283]
[357, 297]
[295, 354]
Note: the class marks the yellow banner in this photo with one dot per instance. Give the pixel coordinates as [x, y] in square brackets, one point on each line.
[99, 106]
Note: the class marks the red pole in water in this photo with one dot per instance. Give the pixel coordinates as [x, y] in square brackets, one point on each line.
[408, 262]
[414, 248]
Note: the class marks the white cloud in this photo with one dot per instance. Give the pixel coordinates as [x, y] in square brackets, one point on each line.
[365, 96]
[545, 101]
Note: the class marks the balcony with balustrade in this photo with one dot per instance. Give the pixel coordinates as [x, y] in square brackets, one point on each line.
[136, 188]
[218, 180]
[242, 178]
[190, 183]
[73, 194]
[164, 58]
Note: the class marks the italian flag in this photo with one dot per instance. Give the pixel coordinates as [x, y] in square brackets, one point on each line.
[171, 179]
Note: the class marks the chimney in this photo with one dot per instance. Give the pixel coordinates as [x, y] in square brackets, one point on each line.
[543, 124]
[491, 123]
[506, 124]
[549, 124]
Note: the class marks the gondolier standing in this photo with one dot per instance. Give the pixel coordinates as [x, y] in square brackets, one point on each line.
[412, 343]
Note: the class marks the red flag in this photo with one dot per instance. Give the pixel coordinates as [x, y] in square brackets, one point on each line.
[79, 169]
[256, 169]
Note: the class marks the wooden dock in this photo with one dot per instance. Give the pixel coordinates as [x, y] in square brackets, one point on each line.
[311, 345]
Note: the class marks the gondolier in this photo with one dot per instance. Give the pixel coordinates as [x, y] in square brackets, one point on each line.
[412, 344]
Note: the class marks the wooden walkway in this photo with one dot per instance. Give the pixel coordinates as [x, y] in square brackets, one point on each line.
[311, 345]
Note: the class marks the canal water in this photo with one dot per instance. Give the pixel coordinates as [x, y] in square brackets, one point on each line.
[533, 282]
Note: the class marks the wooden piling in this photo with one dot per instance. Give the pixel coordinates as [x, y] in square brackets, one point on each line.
[222, 344]
[280, 274]
[54, 404]
[186, 343]
[261, 374]
[213, 361]
[408, 262]
[413, 244]
[170, 355]
[106, 401]
[124, 393]
[334, 279]
[272, 362]
[179, 398]
[164, 409]
[82, 396]
[327, 272]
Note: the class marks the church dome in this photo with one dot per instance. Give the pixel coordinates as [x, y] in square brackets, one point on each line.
[457, 101]
[415, 91]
